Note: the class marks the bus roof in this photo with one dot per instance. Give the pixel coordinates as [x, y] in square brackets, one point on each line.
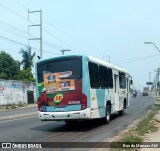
[92, 59]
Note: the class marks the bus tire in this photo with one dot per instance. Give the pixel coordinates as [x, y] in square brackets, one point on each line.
[108, 115]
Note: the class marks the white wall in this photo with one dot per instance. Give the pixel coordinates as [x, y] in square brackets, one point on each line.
[13, 92]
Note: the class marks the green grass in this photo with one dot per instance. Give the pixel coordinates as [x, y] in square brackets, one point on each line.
[7, 106]
[12, 106]
[146, 125]
[131, 138]
[128, 139]
[157, 106]
[20, 104]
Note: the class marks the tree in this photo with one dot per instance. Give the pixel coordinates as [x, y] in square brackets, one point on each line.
[27, 58]
[27, 62]
[8, 67]
[26, 75]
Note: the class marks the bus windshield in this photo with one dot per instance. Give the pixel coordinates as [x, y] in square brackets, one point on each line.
[59, 73]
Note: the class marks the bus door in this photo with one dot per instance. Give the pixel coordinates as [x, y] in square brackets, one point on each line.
[127, 82]
[116, 91]
[128, 92]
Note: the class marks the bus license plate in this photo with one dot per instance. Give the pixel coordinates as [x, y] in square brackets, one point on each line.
[60, 109]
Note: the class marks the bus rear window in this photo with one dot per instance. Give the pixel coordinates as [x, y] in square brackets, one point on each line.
[70, 68]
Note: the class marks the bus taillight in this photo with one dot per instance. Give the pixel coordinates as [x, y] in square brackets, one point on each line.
[39, 104]
[84, 102]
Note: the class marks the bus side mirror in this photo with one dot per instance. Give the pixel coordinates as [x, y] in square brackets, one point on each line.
[131, 82]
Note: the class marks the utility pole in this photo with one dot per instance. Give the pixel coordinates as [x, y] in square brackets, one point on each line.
[64, 51]
[149, 76]
[157, 83]
[40, 25]
[149, 79]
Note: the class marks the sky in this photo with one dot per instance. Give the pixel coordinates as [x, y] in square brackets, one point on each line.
[110, 30]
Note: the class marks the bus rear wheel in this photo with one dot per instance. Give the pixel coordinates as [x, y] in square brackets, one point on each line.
[108, 115]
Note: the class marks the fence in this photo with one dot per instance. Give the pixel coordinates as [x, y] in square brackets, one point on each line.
[14, 92]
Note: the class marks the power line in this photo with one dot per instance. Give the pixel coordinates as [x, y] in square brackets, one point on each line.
[139, 59]
[21, 4]
[51, 24]
[12, 32]
[24, 32]
[52, 45]
[50, 33]
[20, 16]
[4, 38]
[14, 28]
[42, 28]
[13, 41]
[22, 44]
[13, 12]
[62, 41]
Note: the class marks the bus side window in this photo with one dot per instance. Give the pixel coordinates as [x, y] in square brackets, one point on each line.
[110, 78]
[94, 75]
[103, 77]
[122, 80]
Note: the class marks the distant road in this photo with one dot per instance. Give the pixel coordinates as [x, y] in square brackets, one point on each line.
[32, 129]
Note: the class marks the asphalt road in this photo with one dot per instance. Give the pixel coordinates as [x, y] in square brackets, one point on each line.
[17, 111]
[31, 129]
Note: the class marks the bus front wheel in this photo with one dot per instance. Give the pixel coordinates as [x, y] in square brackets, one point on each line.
[108, 115]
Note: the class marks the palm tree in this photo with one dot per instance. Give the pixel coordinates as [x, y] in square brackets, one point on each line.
[27, 58]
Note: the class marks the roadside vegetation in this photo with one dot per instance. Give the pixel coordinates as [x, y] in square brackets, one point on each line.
[136, 134]
[12, 106]
[12, 70]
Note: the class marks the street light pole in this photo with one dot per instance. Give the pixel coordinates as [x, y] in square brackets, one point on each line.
[64, 51]
[158, 68]
[152, 44]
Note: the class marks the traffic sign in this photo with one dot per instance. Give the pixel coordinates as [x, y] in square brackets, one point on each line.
[149, 83]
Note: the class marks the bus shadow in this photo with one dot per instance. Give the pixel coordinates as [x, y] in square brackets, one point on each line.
[82, 126]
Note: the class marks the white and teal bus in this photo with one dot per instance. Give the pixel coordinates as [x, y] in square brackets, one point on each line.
[79, 87]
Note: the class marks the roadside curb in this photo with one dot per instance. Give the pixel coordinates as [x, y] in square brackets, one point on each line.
[11, 117]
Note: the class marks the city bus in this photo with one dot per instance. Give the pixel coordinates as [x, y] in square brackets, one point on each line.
[73, 88]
